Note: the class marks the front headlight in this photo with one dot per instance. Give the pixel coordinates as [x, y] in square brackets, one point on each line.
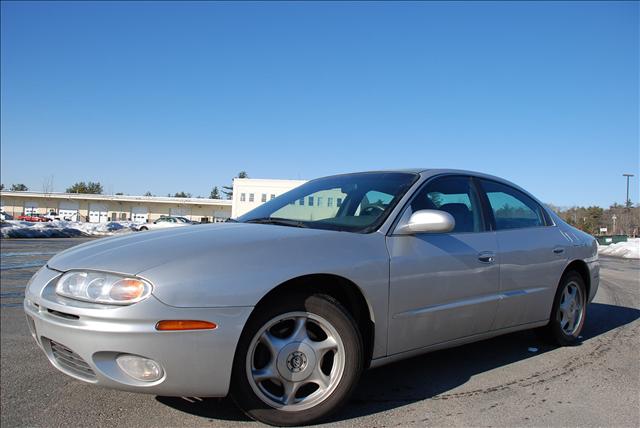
[101, 287]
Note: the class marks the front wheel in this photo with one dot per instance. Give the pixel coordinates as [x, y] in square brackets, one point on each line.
[297, 361]
[569, 310]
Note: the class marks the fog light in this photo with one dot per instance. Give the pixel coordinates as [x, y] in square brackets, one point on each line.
[140, 368]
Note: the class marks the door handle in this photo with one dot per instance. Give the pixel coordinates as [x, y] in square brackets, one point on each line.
[558, 250]
[486, 257]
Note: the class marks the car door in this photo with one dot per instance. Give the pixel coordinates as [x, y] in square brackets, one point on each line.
[443, 286]
[532, 253]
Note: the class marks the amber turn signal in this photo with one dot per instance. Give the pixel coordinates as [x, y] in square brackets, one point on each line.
[173, 325]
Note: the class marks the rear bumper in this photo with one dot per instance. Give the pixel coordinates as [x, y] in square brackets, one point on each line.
[83, 341]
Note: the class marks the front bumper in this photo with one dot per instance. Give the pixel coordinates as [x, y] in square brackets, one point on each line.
[83, 340]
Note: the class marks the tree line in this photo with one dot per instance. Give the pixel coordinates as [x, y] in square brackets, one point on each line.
[617, 219]
[95, 188]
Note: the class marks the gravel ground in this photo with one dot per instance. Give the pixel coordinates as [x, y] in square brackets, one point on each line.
[499, 382]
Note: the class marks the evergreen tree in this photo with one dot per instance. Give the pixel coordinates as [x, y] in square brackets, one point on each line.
[19, 188]
[228, 190]
[215, 193]
[89, 187]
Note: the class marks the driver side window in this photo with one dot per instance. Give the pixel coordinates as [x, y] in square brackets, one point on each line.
[456, 196]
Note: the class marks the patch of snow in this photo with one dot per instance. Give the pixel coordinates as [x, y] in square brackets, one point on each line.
[627, 250]
[62, 229]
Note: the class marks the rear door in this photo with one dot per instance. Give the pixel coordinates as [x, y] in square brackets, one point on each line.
[443, 286]
[532, 253]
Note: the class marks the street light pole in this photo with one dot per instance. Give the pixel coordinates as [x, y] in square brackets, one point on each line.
[627, 202]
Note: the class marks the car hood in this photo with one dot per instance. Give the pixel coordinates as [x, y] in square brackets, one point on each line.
[233, 264]
[135, 253]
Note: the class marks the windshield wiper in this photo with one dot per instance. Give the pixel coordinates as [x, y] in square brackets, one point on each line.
[277, 221]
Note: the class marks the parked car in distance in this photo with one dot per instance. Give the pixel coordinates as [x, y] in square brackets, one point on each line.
[5, 216]
[284, 307]
[52, 215]
[35, 218]
[166, 222]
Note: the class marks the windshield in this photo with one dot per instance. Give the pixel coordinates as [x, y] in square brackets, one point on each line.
[353, 202]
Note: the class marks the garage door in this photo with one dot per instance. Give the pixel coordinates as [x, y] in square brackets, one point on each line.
[30, 208]
[139, 214]
[98, 213]
[69, 211]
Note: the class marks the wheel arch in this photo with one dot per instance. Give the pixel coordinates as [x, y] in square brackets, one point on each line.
[582, 269]
[348, 293]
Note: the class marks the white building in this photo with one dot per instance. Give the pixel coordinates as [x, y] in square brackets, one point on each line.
[249, 193]
[103, 208]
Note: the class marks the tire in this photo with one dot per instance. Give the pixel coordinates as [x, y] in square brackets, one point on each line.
[567, 318]
[314, 342]
[143, 228]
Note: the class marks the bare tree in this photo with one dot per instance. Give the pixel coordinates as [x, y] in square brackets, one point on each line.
[47, 185]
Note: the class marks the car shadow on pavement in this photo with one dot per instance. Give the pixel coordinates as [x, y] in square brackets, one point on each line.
[210, 408]
[430, 375]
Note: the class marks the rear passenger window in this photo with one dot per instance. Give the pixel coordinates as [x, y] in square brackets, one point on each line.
[511, 208]
[455, 195]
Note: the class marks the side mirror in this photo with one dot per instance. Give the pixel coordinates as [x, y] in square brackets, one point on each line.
[427, 221]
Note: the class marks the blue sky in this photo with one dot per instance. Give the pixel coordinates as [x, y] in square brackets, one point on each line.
[170, 97]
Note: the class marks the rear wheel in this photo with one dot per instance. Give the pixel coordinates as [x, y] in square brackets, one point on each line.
[297, 361]
[144, 228]
[569, 310]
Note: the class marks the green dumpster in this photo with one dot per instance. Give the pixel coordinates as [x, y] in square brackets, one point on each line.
[611, 239]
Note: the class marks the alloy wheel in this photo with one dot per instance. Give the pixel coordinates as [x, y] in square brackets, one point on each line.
[295, 361]
[571, 308]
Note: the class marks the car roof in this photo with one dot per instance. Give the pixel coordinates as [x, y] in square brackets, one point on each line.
[430, 172]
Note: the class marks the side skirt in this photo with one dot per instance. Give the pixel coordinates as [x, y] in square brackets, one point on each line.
[453, 343]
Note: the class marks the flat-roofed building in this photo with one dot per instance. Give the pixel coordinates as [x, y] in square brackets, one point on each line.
[104, 208]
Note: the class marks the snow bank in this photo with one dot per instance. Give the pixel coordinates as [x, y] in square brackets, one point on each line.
[627, 250]
[62, 229]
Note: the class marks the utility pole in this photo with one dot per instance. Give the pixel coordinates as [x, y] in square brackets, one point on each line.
[627, 202]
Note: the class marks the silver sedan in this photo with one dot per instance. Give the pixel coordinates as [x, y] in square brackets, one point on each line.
[284, 307]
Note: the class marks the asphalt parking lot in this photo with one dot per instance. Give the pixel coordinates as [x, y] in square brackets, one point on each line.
[514, 380]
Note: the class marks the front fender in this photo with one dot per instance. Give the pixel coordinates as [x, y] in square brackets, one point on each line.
[242, 275]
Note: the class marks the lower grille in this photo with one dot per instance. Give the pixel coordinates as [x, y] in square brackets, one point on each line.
[71, 362]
